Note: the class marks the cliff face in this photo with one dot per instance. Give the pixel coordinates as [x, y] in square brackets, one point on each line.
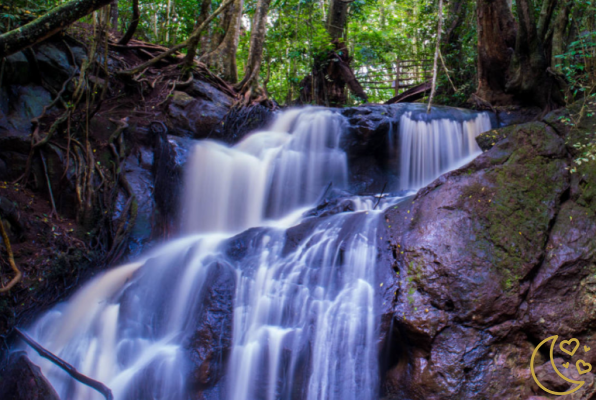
[490, 260]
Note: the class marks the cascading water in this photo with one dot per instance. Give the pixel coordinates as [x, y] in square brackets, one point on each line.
[297, 297]
[431, 147]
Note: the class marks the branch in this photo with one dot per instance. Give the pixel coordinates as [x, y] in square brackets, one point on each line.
[437, 52]
[70, 370]
[179, 46]
[136, 17]
[51, 23]
[13, 265]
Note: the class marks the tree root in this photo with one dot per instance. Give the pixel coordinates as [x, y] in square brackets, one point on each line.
[13, 265]
[69, 369]
[45, 170]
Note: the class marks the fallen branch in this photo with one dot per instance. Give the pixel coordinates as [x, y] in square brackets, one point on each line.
[70, 370]
[179, 46]
[380, 196]
[13, 265]
[43, 27]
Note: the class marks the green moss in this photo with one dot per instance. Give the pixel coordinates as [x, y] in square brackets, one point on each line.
[518, 203]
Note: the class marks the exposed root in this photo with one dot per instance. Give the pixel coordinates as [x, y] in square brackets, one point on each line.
[13, 265]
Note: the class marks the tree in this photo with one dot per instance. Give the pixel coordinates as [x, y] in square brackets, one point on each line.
[513, 66]
[529, 79]
[223, 58]
[496, 40]
[257, 40]
[192, 44]
[47, 25]
[134, 23]
[331, 72]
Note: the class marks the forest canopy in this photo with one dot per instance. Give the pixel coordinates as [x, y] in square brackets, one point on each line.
[491, 53]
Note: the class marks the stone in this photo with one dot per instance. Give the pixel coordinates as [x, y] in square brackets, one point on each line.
[20, 379]
[492, 251]
[196, 118]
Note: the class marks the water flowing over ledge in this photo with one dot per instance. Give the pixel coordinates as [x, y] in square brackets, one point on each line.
[287, 309]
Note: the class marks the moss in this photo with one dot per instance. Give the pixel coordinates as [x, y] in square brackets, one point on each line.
[515, 218]
[488, 139]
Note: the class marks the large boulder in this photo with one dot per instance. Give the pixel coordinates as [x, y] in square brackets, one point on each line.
[490, 260]
[20, 379]
[196, 118]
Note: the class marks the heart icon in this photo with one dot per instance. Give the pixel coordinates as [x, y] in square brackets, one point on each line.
[566, 365]
[582, 362]
[568, 342]
[586, 349]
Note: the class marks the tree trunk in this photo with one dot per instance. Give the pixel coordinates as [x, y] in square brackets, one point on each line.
[192, 44]
[455, 15]
[529, 80]
[168, 21]
[51, 23]
[559, 44]
[496, 39]
[223, 58]
[114, 14]
[136, 17]
[546, 14]
[337, 18]
[331, 76]
[257, 40]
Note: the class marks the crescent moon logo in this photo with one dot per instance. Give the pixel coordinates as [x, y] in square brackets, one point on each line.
[552, 347]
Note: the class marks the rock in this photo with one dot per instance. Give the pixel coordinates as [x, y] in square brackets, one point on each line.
[171, 154]
[211, 342]
[515, 115]
[17, 69]
[195, 118]
[139, 177]
[24, 103]
[485, 255]
[204, 90]
[20, 379]
[54, 64]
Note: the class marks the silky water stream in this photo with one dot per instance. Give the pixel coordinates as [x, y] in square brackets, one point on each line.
[285, 302]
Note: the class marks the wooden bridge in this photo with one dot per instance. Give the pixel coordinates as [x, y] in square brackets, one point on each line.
[405, 80]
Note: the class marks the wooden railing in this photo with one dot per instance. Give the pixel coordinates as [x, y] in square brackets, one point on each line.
[401, 76]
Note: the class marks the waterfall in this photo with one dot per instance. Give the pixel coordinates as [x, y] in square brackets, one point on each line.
[429, 148]
[257, 300]
[266, 175]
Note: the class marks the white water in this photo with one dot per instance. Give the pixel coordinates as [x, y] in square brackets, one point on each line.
[429, 149]
[266, 175]
[305, 316]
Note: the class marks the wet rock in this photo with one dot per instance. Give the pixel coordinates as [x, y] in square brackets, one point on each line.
[204, 90]
[23, 104]
[195, 117]
[54, 64]
[211, 342]
[139, 177]
[17, 69]
[20, 379]
[171, 154]
[485, 255]
[515, 115]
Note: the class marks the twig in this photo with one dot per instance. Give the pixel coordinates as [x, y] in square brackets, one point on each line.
[437, 51]
[70, 370]
[380, 196]
[447, 71]
[13, 265]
